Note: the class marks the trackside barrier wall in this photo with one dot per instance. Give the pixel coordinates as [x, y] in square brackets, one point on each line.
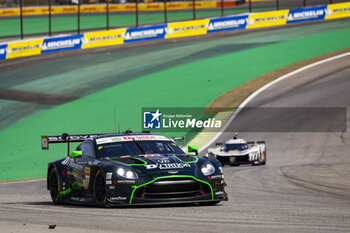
[173, 30]
[114, 8]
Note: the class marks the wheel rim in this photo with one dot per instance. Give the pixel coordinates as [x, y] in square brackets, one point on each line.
[53, 186]
[100, 190]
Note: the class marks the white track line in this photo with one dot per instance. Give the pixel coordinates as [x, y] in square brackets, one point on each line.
[257, 92]
[21, 181]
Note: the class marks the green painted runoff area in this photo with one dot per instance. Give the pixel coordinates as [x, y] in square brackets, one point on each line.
[63, 23]
[193, 84]
[94, 72]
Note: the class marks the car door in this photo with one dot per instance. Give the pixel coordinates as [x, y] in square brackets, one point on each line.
[79, 169]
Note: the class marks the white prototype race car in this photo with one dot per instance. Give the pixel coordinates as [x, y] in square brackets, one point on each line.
[238, 151]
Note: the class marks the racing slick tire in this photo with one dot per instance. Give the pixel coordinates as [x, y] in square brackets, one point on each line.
[55, 186]
[264, 160]
[100, 190]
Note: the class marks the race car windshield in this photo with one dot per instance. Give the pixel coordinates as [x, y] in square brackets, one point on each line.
[118, 149]
[239, 146]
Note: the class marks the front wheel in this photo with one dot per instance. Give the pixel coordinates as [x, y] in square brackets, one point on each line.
[99, 190]
[54, 186]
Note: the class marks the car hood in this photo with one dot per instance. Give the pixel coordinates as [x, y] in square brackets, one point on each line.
[162, 165]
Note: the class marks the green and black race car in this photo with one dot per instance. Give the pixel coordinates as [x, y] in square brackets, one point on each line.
[130, 169]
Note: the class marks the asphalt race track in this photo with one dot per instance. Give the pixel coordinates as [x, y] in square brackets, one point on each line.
[303, 188]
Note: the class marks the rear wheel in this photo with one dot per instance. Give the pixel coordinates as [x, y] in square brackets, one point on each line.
[54, 186]
[99, 190]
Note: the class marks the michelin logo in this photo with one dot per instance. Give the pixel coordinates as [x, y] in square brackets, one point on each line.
[186, 29]
[226, 24]
[22, 49]
[144, 33]
[101, 38]
[305, 14]
[60, 44]
[151, 120]
[2, 51]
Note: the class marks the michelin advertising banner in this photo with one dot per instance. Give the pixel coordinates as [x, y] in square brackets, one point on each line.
[3, 51]
[267, 19]
[145, 33]
[306, 14]
[187, 28]
[61, 43]
[23, 48]
[103, 38]
[227, 23]
[173, 30]
[339, 10]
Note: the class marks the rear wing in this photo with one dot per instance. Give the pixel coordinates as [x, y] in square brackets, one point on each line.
[66, 138]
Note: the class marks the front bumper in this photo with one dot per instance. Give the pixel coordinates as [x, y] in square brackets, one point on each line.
[174, 189]
[241, 159]
[167, 203]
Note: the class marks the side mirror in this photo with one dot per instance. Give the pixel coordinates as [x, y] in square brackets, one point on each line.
[76, 154]
[193, 149]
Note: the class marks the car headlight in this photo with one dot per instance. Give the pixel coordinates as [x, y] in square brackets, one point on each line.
[128, 174]
[207, 169]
